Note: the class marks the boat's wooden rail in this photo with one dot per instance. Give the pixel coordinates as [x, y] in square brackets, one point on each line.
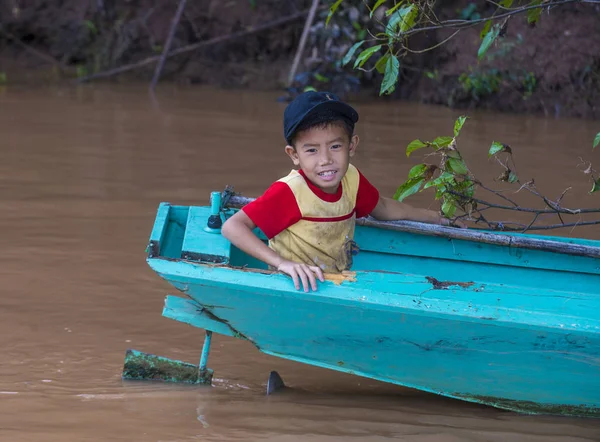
[477, 235]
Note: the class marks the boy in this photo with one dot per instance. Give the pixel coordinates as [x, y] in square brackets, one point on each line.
[309, 215]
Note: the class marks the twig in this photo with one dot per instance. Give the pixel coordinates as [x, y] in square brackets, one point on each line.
[495, 192]
[421, 51]
[531, 223]
[194, 46]
[517, 208]
[300, 50]
[167, 48]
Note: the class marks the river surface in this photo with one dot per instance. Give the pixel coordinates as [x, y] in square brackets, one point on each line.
[82, 172]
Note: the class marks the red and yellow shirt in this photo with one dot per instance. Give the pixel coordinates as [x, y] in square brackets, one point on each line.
[305, 224]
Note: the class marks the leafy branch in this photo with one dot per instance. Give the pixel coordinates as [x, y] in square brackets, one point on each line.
[403, 19]
[455, 186]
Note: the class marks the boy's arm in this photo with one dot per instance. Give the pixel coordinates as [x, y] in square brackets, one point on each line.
[238, 230]
[388, 209]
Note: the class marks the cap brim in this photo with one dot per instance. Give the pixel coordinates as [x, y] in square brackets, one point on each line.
[342, 108]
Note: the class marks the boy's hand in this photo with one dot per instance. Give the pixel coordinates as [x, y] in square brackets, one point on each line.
[302, 272]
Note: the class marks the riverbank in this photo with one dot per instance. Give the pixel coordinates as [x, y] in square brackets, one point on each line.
[552, 69]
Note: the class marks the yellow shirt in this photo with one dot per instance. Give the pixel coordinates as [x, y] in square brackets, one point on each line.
[324, 235]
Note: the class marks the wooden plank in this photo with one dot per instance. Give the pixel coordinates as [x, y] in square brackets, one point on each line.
[395, 244]
[200, 245]
[158, 230]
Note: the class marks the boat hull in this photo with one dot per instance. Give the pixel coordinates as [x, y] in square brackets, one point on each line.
[531, 368]
[510, 327]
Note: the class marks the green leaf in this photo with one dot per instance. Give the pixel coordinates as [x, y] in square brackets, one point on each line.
[443, 178]
[458, 166]
[533, 15]
[375, 6]
[486, 29]
[417, 171]
[309, 88]
[321, 78]
[487, 41]
[454, 154]
[91, 26]
[351, 52]
[440, 142]
[402, 20]
[391, 10]
[365, 55]
[380, 65]
[439, 192]
[506, 3]
[409, 19]
[596, 140]
[449, 207]
[458, 124]
[332, 10]
[495, 148]
[467, 187]
[596, 186]
[390, 78]
[81, 71]
[512, 177]
[414, 145]
[411, 186]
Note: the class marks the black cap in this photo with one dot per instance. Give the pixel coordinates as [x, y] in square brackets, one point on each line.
[310, 103]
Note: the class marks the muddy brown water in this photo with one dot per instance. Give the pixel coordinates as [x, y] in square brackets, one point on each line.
[82, 172]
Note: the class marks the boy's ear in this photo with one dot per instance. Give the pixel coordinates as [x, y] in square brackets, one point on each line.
[291, 152]
[353, 145]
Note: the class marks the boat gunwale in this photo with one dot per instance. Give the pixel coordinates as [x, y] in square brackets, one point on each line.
[352, 294]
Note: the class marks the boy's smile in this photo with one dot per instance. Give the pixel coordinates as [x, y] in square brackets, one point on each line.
[323, 154]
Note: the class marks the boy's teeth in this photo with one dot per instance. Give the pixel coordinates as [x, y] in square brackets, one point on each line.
[327, 173]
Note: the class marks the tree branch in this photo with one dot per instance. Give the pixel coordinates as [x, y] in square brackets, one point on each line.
[194, 46]
[518, 208]
[167, 48]
[469, 23]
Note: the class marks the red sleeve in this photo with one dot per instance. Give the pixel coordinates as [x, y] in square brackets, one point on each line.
[275, 210]
[366, 198]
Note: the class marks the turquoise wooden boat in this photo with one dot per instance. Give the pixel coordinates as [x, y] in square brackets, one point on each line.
[507, 320]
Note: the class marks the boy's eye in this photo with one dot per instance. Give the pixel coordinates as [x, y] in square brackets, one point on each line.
[336, 146]
[311, 150]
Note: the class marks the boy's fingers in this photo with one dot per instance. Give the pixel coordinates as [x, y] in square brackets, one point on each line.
[319, 273]
[311, 277]
[302, 274]
[294, 276]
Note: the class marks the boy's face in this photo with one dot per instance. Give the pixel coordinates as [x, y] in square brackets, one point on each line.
[323, 154]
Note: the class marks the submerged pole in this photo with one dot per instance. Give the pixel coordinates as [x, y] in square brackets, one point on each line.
[205, 351]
